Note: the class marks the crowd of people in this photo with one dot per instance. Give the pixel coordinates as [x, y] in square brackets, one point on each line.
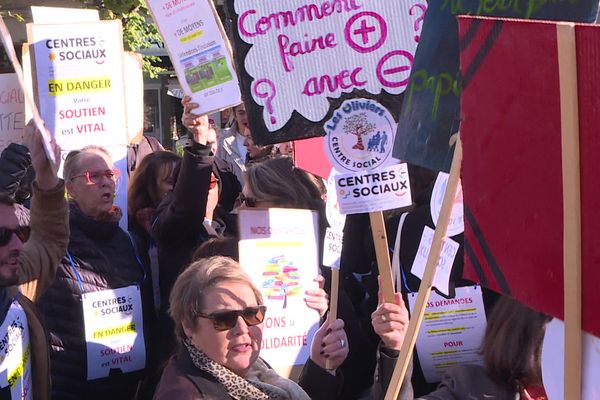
[201, 317]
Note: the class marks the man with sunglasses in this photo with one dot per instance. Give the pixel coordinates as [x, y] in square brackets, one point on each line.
[28, 261]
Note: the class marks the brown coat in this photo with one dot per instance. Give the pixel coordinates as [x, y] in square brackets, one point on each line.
[39, 260]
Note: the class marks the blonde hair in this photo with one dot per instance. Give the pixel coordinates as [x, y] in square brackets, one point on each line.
[73, 160]
[187, 295]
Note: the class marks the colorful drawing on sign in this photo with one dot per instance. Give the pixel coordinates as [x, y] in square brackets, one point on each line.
[281, 280]
[206, 69]
[354, 123]
[431, 111]
[296, 56]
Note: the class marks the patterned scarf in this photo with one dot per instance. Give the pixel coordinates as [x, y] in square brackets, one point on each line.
[263, 383]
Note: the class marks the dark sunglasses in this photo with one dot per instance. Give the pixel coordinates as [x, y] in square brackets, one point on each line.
[248, 201]
[95, 177]
[225, 320]
[6, 234]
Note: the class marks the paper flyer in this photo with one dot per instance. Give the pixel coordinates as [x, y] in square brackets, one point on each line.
[78, 74]
[451, 332]
[278, 249]
[199, 51]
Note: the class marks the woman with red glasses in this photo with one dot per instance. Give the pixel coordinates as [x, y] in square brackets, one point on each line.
[99, 308]
[218, 315]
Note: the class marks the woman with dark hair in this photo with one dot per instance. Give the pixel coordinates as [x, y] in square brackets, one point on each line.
[277, 183]
[511, 350]
[151, 181]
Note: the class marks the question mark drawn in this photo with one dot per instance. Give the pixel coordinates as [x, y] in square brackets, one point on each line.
[419, 20]
[269, 95]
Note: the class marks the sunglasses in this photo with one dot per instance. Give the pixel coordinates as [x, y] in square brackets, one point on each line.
[95, 177]
[248, 201]
[225, 320]
[6, 234]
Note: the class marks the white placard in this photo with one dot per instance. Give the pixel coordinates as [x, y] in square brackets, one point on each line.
[336, 219]
[114, 331]
[444, 266]
[15, 353]
[332, 247]
[199, 51]
[278, 249]
[79, 81]
[451, 332]
[456, 226]
[553, 361]
[375, 190]
[305, 52]
[12, 111]
[360, 136]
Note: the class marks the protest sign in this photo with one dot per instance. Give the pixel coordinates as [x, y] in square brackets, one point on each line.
[199, 51]
[278, 249]
[452, 331]
[299, 60]
[374, 190]
[12, 110]
[431, 110]
[552, 360]
[78, 77]
[39, 124]
[512, 175]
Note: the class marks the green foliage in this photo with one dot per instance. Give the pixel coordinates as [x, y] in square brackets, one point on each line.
[139, 32]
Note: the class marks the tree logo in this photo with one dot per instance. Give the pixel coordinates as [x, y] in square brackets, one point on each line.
[280, 280]
[360, 136]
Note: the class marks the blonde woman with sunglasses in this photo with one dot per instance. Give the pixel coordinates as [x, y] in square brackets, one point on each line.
[218, 315]
[99, 310]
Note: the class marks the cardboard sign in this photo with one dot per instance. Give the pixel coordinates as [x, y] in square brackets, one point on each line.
[78, 76]
[376, 190]
[452, 331]
[199, 51]
[12, 111]
[299, 60]
[511, 171]
[431, 109]
[278, 249]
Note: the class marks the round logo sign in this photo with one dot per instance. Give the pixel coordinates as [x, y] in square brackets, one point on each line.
[360, 136]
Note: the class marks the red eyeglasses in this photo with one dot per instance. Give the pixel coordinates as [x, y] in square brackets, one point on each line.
[95, 177]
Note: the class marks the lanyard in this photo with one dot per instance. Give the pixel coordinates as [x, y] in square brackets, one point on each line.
[78, 277]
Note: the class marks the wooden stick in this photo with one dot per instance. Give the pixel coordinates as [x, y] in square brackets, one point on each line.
[333, 305]
[383, 256]
[428, 276]
[569, 112]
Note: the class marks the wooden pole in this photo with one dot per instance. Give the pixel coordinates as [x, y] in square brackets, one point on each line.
[569, 112]
[383, 256]
[333, 305]
[428, 276]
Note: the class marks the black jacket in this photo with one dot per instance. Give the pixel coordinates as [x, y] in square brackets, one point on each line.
[104, 258]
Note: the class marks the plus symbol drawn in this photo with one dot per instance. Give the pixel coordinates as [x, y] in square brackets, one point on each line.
[364, 31]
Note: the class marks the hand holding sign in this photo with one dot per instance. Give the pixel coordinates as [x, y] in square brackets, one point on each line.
[330, 345]
[45, 169]
[196, 124]
[390, 321]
